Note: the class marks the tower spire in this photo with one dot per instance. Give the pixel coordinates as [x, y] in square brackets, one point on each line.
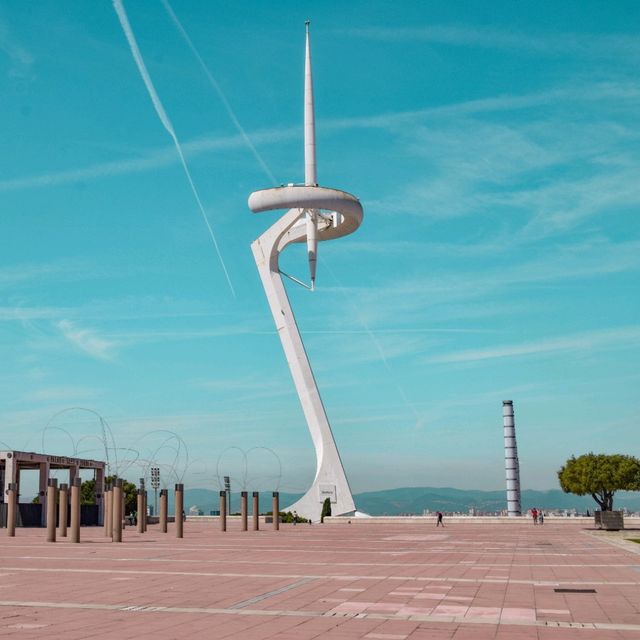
[310, 176]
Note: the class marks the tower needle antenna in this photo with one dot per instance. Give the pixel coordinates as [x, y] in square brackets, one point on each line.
[310, 173]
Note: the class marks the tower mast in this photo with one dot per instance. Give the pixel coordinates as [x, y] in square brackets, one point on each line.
[310, 175]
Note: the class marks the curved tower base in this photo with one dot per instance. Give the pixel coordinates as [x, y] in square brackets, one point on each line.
[330, 479]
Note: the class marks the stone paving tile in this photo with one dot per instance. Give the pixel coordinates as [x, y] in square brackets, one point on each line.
[329, 581]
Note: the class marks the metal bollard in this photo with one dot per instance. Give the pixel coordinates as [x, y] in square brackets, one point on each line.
[12, 504]
[108, 511]
[75, 509]
[243, 510]
[256, 510]
[276, 510]
[223, 511]
[179, 509]
[116, 511]
[164, 499]
[107, 521]
[140, 507]
[63, 509]
[144, 510]
[52, 495]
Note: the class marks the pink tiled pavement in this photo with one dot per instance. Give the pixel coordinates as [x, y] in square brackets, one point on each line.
[333, 581]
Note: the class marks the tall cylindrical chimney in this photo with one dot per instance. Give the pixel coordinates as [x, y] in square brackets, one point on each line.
[511, 464]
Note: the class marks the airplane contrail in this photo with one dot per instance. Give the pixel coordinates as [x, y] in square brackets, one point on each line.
[166, 123]
[377, 345]
[216, 86]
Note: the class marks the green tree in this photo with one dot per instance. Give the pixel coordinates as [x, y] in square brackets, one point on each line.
[130, 494]
[88, 492]
[600, 476]
[326, 509]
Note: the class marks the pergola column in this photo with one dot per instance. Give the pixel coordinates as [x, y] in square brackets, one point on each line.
[44, 469]
[63, 509]
[100, 486]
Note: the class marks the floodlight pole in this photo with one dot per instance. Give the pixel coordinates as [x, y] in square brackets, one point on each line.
[155, 484]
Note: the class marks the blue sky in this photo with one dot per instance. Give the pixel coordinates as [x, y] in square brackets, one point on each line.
[495, 148]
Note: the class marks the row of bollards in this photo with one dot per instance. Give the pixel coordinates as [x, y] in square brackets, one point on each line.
[244, 510]
[57, 505]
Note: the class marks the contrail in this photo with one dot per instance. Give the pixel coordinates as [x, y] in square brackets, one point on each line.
[216, 86]
[166, 123]
[377, 345]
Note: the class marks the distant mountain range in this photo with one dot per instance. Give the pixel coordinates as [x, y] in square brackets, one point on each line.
[414, 500]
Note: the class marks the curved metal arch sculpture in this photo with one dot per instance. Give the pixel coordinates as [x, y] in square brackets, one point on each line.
[314, 214]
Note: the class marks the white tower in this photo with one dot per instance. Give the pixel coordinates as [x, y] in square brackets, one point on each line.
[314, 214]
[511, 463]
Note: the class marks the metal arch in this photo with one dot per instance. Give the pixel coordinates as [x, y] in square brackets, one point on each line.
[48, 427]
[181, 443]
[244, 473]
[277, 457]
[120, 472]
[82, 439]
[104, 425]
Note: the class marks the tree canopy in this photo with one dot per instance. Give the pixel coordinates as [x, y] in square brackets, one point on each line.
[600, 476]
[88, 493]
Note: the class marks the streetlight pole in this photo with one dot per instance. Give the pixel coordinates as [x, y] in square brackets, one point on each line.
[227, 488]
[155, 484]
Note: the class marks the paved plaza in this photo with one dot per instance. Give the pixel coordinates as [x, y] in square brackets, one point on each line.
[334, 581]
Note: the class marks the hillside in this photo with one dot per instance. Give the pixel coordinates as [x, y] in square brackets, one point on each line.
[415, 500]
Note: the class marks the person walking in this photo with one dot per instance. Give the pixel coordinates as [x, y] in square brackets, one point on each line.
[439, 520]
[534, 515]
[541, 517]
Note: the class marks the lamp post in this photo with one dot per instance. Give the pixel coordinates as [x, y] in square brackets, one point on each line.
[155, 485]
[227, 488]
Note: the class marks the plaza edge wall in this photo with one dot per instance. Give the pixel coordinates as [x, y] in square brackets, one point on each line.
[629, 521]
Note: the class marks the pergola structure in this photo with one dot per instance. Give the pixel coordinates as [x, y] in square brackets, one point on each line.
[13, 462]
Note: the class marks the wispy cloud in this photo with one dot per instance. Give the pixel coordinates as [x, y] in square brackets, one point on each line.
[622, 92]
[21, 60]
[69, 394]
[455, 295]
[153, 159]
[561, 206]
[165, 156]
[88, 341]
[247, 387]
[538, 177]
[591, 45]
[586, 341]
[19, 274]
